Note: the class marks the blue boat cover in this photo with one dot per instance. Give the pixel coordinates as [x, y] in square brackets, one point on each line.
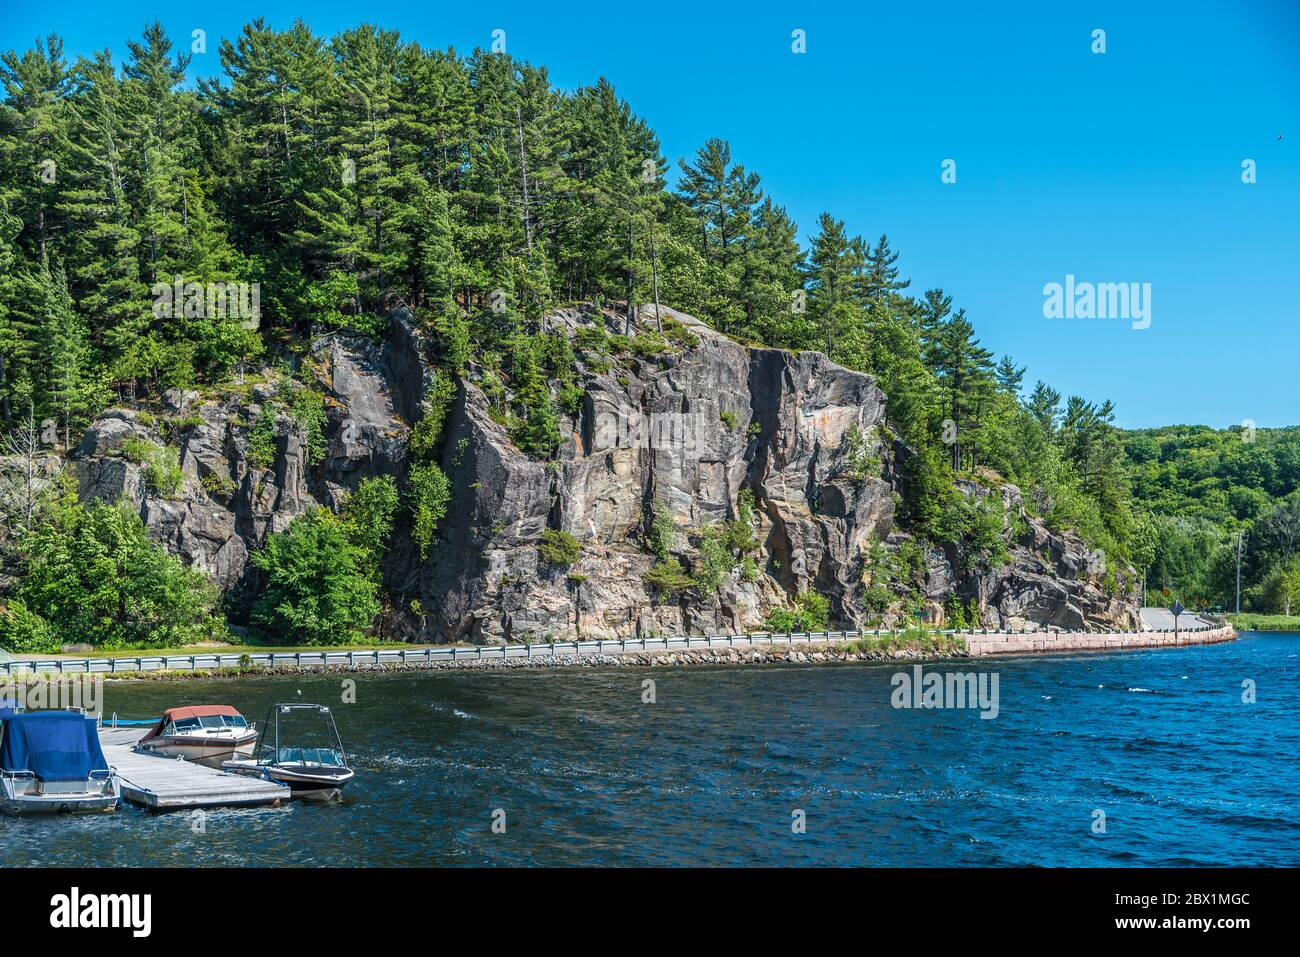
[53, 745]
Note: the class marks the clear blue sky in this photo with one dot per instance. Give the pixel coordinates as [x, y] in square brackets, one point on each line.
[1124, 166]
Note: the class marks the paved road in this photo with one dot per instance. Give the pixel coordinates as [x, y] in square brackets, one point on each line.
[1154, 618]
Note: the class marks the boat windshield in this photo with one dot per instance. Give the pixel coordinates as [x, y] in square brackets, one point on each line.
[322, 757]
[210, 721]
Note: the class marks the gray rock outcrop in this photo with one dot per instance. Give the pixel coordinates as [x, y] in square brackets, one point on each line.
[686, 432]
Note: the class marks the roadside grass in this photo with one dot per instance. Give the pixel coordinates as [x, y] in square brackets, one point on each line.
[1250, 621]
[221, 649]
[914, 640]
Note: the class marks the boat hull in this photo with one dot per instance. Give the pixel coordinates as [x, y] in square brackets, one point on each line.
[25, 796]
[210, 752]
[304, 783]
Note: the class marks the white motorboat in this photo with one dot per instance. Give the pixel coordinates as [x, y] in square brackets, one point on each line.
[207, 734]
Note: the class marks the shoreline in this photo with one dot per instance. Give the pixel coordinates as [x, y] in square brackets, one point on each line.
[911, 651]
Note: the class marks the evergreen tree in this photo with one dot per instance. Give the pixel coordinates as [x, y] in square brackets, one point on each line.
[72, 388]
[1009, 376]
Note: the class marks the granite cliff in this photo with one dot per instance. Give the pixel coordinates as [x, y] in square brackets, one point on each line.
[707, 432]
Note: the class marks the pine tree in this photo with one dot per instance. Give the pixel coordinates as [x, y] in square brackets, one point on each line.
[881, 281]
[834, 269]
[1009, 376]
[32, 142]
[963, 369]
[723, 197]
[1044, 404]
[105, 248]
[71, 386]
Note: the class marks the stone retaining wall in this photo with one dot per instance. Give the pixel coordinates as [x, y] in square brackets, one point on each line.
[1005, 643]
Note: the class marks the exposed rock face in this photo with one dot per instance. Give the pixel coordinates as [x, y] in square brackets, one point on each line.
[685, 432]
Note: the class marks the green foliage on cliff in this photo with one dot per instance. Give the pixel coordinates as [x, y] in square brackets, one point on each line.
[160, 465]
[668, 577]
[90, 574]
[810, 613]
[367, 516]
[558, 547]
[320, 589]
[429, 493]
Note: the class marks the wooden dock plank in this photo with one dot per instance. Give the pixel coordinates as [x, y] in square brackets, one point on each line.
[170, 784]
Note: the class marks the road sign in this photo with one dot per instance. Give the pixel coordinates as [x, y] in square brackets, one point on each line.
[1176, 609]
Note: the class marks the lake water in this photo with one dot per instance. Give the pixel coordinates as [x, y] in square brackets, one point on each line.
[710, 774]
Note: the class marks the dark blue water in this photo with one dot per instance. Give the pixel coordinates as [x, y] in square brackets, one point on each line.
[1186, 773]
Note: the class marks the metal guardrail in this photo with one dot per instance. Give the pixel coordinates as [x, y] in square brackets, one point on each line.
[453, 653]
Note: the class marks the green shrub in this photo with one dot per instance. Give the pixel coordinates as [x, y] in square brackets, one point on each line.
[663, 531]
[368, 516]
[95, 576]
[860, 461]
[160, 464]
[591, 339]
[668, 577]
[647, 345]
[217, 485]
[715, 559]
[261, 440]
[558, 547]
[675, 330]
[810, 613]
[429, 491]
[319, 589]
[307, 409]
[24, 632]
[426, 437]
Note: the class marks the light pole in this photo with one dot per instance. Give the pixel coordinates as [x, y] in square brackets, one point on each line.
[1241, 543]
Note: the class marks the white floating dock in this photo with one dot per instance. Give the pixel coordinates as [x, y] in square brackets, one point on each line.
[166, 784]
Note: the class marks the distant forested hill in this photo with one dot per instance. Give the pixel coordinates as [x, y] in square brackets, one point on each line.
[1204, 487]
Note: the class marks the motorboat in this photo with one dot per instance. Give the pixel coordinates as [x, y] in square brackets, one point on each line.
[51, 763]
[206, 734]
[317, 771]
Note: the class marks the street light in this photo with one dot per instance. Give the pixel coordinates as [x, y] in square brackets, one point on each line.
[1241, 544]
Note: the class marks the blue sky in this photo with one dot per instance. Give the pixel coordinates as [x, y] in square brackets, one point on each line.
[1115, 167]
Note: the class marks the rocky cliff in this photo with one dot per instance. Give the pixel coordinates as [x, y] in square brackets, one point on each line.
[685, 433]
